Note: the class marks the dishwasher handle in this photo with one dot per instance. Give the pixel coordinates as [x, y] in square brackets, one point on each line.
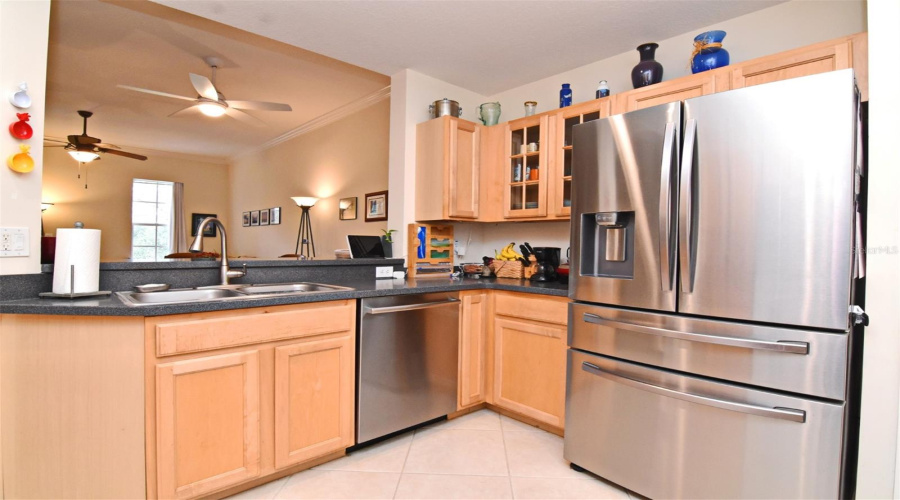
[409, 307]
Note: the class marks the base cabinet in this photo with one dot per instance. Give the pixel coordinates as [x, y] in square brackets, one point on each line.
[530, 369]
[207, 423]
[314, 394]
[472, 348]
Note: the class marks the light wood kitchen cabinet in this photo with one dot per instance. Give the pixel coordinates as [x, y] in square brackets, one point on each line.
[448, 169]
[708, 82]
[529, 351]
[842, 53]
[525, 176]
[207, 423]
[472, 348]
[237, 396]
[561, 161]
[314, 395]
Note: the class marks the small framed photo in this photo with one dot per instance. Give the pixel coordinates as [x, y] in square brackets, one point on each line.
[209, 231]
[245, 218]
[275, 216]
[264, 217]
[254, 218]
[376, 206]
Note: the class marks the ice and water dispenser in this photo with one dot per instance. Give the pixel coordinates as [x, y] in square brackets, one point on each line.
[607, 244]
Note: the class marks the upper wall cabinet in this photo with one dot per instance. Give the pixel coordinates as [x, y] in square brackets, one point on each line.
[708, 82]
[561, 125]
[526, 169]
[843, 53]
[448, 169]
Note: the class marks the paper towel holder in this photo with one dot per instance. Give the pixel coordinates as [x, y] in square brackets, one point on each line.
[72, 294]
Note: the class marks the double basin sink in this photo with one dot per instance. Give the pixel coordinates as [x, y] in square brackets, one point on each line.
[225, 292]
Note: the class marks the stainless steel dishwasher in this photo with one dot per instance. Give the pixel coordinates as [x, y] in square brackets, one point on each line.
[408, 348]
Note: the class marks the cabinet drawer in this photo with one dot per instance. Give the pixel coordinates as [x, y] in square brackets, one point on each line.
[517, 305]
[207, 331]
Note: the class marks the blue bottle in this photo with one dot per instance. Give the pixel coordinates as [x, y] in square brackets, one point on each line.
[565, 96]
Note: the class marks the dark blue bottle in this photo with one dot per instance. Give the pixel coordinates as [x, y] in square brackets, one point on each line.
[565, 96]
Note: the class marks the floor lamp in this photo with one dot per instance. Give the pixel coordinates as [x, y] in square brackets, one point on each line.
[306, 245]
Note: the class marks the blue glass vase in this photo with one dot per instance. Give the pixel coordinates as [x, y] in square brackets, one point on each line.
[707, 58]
[565, 96]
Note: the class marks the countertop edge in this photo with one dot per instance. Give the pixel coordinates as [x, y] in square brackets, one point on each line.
[114, 307]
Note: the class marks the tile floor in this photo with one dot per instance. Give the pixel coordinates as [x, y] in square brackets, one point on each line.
[479, 455]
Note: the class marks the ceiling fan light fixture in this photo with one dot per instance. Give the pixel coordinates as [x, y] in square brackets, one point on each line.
[84, 156]
[211, 109]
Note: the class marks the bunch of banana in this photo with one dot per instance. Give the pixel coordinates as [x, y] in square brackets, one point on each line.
[508, 253]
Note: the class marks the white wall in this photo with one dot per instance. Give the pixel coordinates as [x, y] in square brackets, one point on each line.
[775, 29]
[878, 467]
[24, 32]
[411, 93]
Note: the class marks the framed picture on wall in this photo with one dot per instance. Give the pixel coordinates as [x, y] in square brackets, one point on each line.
[264, 217]
[275, 216]
[254, 218]
[196, 219]
[376, 206]
[245, 218]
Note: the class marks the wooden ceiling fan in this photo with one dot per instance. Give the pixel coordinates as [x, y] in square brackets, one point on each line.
[85, 148]
[211, 102]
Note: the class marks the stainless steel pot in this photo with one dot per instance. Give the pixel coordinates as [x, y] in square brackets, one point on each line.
[444, 107]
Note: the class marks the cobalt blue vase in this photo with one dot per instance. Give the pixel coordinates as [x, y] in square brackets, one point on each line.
[648, 71]
[705, 57]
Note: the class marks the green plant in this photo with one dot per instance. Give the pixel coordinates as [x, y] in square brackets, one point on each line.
[387, 235]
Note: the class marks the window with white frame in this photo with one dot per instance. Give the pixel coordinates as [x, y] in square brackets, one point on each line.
[151, 219]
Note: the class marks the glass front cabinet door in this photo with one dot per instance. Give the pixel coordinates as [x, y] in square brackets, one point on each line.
[563, 122]
[526, 172]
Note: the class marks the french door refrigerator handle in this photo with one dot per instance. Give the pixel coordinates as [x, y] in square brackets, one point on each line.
[766, 345]
[409, 307]
[771, 412]
[685, 222]
[665, 208]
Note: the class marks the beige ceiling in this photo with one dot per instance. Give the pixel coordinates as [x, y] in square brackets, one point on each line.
[96, 45]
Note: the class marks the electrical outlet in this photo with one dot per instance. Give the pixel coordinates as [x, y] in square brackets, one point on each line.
[14, 242]
[384, 272]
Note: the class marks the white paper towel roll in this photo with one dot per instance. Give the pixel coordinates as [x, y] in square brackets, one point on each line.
[79, 248]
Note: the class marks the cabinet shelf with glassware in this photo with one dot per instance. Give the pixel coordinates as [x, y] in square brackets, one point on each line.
[562, 124]
[525, 179]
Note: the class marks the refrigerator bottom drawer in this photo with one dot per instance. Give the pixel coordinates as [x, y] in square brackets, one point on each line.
[666, 435]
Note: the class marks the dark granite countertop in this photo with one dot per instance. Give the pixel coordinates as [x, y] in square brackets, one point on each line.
[235, 262]
[113, 306]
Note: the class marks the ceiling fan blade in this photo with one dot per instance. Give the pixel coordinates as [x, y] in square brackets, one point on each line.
[244, 117]
[264, 106]
[204, 87]
[55, 145]
[155, 92]
[126, 154]
[190, 110]
[50, 139]
[107, 146]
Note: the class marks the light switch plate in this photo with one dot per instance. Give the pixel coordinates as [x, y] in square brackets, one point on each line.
[14, 242]
[384, 272]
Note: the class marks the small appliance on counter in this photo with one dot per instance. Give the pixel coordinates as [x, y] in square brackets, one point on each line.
[547, 262]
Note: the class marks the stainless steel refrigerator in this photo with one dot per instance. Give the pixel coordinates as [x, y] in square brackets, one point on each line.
[713, 271]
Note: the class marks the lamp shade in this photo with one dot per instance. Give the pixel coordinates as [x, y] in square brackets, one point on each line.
[45, 206]
[304, 201]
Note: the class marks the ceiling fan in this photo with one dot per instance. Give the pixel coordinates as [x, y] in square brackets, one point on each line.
[211, 102]
[85, 148]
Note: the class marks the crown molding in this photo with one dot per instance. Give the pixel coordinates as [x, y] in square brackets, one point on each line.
[322, 120]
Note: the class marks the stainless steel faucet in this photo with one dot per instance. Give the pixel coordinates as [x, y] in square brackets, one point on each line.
[197, 246]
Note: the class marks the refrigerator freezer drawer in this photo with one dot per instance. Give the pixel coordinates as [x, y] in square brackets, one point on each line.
[666, 435]
[787, 359]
